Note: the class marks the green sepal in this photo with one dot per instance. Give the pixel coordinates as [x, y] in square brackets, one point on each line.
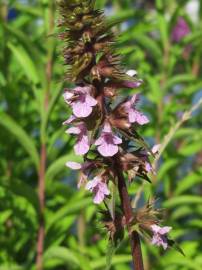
[173, 244]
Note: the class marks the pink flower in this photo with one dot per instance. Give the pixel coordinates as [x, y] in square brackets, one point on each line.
[108, 143]
[159, 235]
[82, 145]
[69, 120]
[99, 188]
[85, 168]
[133, 114]
[74, 165]
[154, 150]
[80, 100]
[148, 167]
[130, 83]
[180, 30]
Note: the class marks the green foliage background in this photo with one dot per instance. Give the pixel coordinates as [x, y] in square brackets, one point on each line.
[31, 115]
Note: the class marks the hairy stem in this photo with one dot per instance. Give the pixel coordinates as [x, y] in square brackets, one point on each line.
[127, 209]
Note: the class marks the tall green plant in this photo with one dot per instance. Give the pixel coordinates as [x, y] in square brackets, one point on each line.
[106, 126]
[73, 237]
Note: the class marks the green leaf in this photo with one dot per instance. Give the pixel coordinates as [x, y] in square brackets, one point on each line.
[190, 148]
[155, 93]
[84, 262]
[10, 266]
[45, 115]
[150, 45]
[163, 27]
[4, 216]
[111, 249]
[2, 79]
[165, 167]
[23, 138]
[75, 205]
[181, 78]
[117, 259]
[185, 199]
[59, 165]
[175, 245]
[61, 253]
[188, 182]
[20, 188]
[34, 11]
[25, 62]
[121, 16]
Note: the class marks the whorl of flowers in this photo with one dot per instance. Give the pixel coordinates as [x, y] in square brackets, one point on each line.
[104, 123]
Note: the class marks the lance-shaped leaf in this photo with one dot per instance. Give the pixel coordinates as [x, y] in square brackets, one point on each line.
[22, 137]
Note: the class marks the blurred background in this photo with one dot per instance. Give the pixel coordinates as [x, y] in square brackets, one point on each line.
[41, 209]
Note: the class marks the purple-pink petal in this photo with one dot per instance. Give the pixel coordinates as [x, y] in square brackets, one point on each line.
[141, 118]
[132, 115]
[134, 99]
[117, 140]
[99, 197]
[74, 165]
[180, 30]
[81, 101]
[99, 141]
[108, 150]
[164, 245]
[165, 230]
[83, 90]
[107, 142]
[148, 167]
[92, 184]
[99, 188]
[91, 101]
[82, 180]
[159, 241]
[69, 120]
[107, 128]
[67, 96]
[159, 237]
[131, 84]
[73, 130]
[136, 116]
[81, 109]
[155, 228]
[156, 148]
[82, 146]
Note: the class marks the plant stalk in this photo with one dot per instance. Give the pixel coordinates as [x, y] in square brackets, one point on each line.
[127, 209]
[41, 196]
[43, 155]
